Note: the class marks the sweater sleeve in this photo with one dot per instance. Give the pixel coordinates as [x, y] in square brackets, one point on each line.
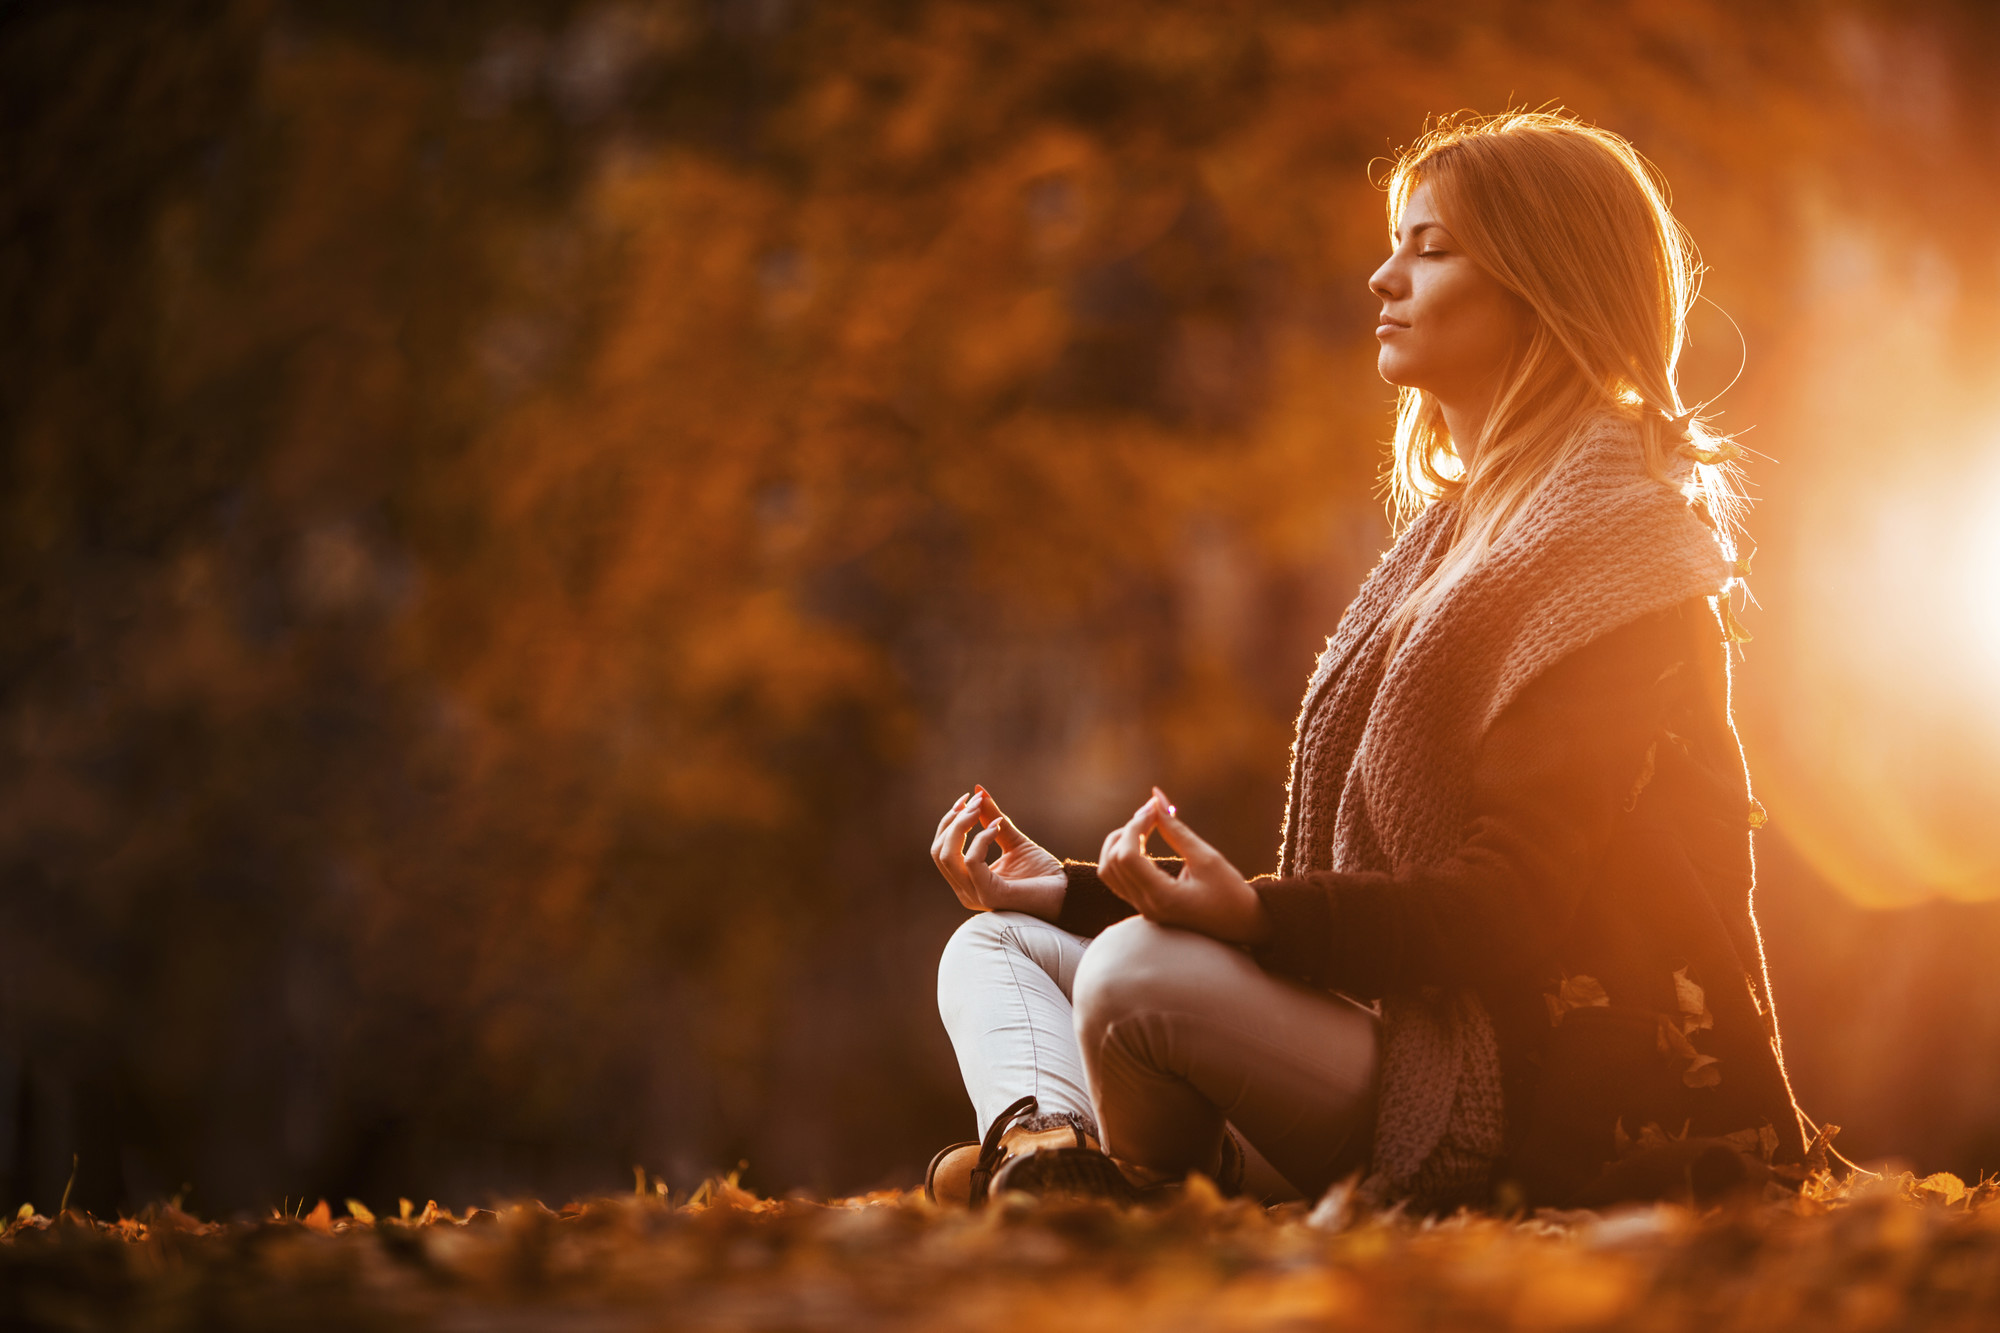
[1555, 771]
[1088, 906]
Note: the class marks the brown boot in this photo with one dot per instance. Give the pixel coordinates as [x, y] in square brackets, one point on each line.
[1080, 1170]
[962, 1174]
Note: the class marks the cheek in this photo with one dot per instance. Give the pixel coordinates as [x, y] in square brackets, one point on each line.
[1464, 327]
[1500, 323]
[1477, 322]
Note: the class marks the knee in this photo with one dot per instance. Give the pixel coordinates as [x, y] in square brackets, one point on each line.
[976, 936]
[1135, 967]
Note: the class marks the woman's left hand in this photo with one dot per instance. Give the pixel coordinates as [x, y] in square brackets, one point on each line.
[1209, 895]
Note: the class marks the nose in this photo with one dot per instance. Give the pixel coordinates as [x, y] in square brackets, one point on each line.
[1387, 281]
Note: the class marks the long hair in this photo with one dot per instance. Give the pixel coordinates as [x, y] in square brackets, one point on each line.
[1573, 221]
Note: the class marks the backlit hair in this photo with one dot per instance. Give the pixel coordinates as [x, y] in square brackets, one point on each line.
[1573, 221]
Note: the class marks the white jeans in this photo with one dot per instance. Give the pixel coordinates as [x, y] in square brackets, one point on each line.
[1160, 1036]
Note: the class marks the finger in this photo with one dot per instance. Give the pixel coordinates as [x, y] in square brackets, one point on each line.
[1147, 816]
[1122, 849]
[950, 855]
[1106, 855]
[1121, 845]
[1156, 888]
[1010, 838]
[956, 806]
[939, 843]
[1124, 843]
[977, 872]
[961, 824]
[989, 808]
[1175, 833]
[957, 878]
[954, 873]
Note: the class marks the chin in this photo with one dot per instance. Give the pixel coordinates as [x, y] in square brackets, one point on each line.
[1391, 368]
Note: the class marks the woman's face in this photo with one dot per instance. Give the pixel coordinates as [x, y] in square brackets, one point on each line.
[1447, 325]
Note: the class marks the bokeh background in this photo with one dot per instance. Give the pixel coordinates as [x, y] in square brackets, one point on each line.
[517, 517]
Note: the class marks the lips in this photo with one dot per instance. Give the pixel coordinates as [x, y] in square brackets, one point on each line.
[1386, 326]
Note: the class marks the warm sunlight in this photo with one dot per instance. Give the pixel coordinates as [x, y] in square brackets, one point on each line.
[1894, 713]
[1977, 576]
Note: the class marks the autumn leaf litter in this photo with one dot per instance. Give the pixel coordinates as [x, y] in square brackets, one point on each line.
[1893, 1252]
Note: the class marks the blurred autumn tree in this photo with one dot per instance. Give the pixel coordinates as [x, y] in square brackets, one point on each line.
[517, 518]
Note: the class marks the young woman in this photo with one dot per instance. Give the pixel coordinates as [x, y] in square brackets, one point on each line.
[1508, 954]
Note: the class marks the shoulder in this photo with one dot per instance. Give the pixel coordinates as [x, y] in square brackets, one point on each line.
[1651, 657]
[1602, 494]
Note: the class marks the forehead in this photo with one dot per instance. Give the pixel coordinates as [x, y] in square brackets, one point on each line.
[1416, 210]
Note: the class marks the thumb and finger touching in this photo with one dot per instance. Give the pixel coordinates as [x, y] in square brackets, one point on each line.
[1190, 845]
[1132, 874]
[995, 820]
[1010, 838]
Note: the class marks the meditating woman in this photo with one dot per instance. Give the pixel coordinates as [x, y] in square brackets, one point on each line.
[1508, 954]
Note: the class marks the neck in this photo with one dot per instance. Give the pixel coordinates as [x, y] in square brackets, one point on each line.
[1465, 421]
[1467, 410]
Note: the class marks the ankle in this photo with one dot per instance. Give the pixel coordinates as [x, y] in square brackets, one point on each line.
[1050, 1129]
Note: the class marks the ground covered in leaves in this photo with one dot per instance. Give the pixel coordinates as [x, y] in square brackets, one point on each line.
[1895, 1253]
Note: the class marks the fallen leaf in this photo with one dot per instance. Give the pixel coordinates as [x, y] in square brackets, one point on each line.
[1692, 1001]
[1673, 1043]
[1700, 1071]
[1652, 1136]
[359, 1212]
[1582, 992]
[1577, 992]
[1704, 1072]
[1945, 1183]
[1821, 1145]
[320, 1219]
[1759, 1142]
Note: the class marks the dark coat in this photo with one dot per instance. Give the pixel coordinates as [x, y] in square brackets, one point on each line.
[1609, 848]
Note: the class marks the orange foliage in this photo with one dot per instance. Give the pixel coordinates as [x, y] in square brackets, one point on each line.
[517, 525]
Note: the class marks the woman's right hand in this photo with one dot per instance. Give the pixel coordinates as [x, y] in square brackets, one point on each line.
[1025, 878]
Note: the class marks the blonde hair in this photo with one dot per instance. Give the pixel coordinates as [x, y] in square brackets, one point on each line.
[1576, 224]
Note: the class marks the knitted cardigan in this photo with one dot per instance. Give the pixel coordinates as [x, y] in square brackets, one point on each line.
[1379, 795]
[1385, 746]
[1384, 754]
